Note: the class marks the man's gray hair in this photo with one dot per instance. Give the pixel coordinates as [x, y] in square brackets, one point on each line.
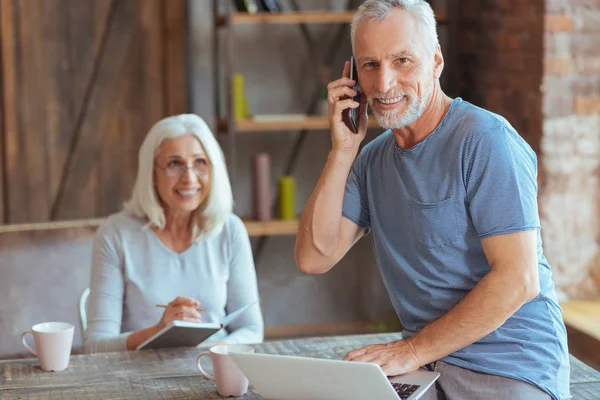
[210, 217]
[378, 10]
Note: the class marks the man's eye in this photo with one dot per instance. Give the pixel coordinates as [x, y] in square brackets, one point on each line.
[201, 161]
[174, 163]
[403, 60]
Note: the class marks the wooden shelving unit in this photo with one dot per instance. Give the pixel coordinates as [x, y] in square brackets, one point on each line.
[304, 17]
[270, 228]
[255, 228]
[227, 127]
[226, 19]
[309, 123]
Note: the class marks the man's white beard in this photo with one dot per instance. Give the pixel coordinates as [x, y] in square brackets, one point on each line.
[396, 119]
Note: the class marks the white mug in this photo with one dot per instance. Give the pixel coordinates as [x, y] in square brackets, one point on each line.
[53, 341]
[228, 377]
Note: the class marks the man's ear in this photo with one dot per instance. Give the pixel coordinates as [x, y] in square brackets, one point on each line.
[438, 62]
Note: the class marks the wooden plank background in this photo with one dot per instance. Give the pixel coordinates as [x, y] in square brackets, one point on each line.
[1, 127]
[8, 80]
[83, 81]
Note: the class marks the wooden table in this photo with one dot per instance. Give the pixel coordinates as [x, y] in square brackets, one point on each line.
[171, 373]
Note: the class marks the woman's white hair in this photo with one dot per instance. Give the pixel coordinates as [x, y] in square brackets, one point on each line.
[144, 203]
[378, 10]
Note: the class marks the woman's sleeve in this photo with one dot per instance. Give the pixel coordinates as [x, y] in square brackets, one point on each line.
[105, 303]
[242, 288]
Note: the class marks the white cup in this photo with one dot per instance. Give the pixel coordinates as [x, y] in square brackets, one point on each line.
[53, 341]
[228, 377]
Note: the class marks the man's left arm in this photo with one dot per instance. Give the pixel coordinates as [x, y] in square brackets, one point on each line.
[512, 281]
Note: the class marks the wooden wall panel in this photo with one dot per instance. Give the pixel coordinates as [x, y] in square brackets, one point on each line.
[10, 125]
[152, 80]
[58, 102]
[87, 79]
[89, 26]
[34, 154]
[105, 98]
[2, 158]
[142, 95]
[175, 28]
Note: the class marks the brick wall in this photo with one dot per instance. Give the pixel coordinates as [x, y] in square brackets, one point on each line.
[537, 62]
[570, 144]
[500, 59]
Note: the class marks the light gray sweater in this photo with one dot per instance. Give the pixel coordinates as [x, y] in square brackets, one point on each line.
[133, 270]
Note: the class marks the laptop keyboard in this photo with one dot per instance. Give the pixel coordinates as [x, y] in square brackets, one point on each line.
[404, 390]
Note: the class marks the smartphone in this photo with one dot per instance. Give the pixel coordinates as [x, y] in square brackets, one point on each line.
[352, 115]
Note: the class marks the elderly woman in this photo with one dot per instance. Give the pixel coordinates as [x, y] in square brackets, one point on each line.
[176, 243]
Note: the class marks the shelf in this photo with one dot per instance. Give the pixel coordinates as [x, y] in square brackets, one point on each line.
[271, 228]
[43, 226]
[582, 320]
[255, 228]
[301, 17]
[310, 123]
[583, 316]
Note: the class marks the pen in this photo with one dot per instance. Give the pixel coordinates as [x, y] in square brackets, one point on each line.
[165, 306]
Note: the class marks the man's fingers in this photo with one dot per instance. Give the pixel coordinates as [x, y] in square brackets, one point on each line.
[368, 357]
[387, 369]
[341, 105]
[373, 349]
[346, 71]
[356, 353]
[340, 92]
[394, 368]
[341, 82]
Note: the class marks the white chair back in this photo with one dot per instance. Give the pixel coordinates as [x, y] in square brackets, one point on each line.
[83, 310]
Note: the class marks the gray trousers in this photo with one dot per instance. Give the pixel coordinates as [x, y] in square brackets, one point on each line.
[456, 383]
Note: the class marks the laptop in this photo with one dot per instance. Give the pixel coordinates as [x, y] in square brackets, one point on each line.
[302, 378]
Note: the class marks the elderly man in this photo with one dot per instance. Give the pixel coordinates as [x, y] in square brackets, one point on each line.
[448, 194]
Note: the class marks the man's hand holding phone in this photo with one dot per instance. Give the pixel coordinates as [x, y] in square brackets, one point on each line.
[341, 100]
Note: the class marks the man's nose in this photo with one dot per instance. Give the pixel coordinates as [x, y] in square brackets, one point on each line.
[385, 79]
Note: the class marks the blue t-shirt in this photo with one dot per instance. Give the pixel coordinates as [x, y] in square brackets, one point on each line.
[428, 207]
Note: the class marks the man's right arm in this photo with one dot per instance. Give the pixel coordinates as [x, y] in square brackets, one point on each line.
[324, 236]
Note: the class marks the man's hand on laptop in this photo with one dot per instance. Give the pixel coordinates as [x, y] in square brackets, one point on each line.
[394, 358]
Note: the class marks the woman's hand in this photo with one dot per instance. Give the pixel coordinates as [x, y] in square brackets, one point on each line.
[182, 309]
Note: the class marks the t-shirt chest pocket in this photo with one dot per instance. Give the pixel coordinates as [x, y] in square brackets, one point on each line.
[435, 223]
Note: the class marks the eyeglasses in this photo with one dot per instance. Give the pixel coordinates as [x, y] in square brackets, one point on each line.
[176, 168]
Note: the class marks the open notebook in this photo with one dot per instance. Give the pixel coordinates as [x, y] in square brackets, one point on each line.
[188, 334]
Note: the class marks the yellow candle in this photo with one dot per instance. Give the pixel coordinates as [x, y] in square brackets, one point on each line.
[239, 106]
[245, 111]
[287, 198]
